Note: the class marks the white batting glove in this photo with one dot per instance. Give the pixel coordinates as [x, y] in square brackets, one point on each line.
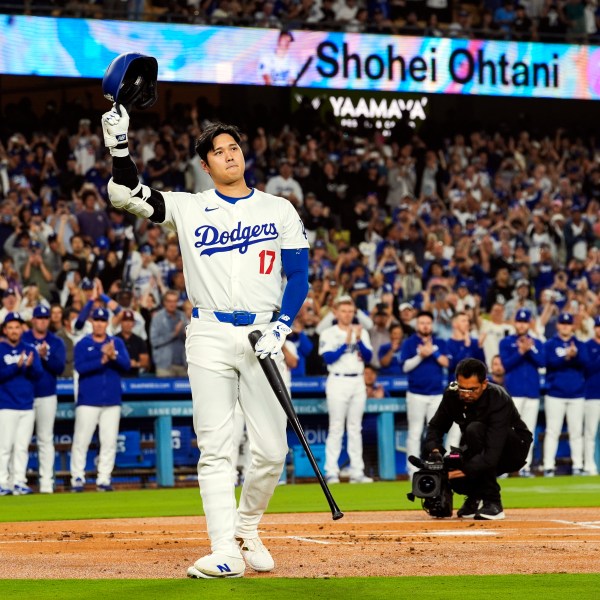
[115, 124]
[272, 340]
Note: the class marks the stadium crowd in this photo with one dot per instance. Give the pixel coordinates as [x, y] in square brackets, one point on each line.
[544, 20]
[471, 227]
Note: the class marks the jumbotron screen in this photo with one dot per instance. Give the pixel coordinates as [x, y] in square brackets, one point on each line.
[308, 59]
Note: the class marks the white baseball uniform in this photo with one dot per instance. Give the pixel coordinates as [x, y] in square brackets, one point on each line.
[233, 271]
[346, 399]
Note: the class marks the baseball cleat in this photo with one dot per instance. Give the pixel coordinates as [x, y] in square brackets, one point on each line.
[490, 511]
[361, 479]
[469, 508]
[332, 479]
[549, 473]
[77, 485]
[104, 487]
[256, 554]
[217, 566]
[5, 491]
[22, 490]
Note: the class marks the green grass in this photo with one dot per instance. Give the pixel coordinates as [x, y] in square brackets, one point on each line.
[498, 587]
[517, 493]
[559, 492]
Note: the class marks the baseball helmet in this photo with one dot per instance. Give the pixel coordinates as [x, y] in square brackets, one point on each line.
[131, 80]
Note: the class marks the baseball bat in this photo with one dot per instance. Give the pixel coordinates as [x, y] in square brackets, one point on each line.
[280, 390]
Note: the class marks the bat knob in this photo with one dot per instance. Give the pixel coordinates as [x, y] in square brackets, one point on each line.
[254, 336]
[337, 515]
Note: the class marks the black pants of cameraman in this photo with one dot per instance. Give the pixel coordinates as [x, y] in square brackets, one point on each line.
[484, 485]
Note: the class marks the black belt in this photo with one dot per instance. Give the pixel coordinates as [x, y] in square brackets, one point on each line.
[237, 318]
[346, 374]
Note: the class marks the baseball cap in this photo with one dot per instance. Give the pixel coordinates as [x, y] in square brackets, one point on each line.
[128, 315]
[13, 316]
[146, 249]
[9, 292]
[523, 315]
[320, 244]
[34, 244]
[100, 314]
[597, 321]
[36, 211]
[565, 318]
[41, 312]
[521, 282]
[406, 306]
[87, 284]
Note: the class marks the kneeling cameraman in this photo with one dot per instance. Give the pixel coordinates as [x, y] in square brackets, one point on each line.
[494, 439]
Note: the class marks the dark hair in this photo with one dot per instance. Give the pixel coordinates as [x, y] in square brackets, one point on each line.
[425, 313]
[204, 144]
[468, 367]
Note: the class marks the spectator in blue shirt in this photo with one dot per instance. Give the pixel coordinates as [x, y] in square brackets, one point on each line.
[20, 368]
[389, 354]
[52, 352]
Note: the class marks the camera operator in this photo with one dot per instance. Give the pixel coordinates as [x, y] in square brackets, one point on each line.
[494, 439]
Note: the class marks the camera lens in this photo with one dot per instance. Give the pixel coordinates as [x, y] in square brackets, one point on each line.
[426, 484]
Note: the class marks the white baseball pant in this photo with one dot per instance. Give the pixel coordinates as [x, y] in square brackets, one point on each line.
[45, 414]
[222, 367]
[528, 409]
[346, 400]
[16, 430]
[87, 418]
[420, 408]
[556, 409]
[590, 433]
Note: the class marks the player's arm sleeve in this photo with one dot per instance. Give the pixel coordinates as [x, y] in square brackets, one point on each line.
[83, 315]
[295, 267]
[58, 357]
[84, 361]
[7, 371]
[35, 370]
[123, 360]
[509, 357]
[537, 354]
[125, 173]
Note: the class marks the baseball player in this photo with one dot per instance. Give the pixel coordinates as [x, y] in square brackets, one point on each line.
[53, 355]
[236, 244]
[423, 358]
[345, 348]
[592, 401]
[100, 360]
[522, 356]
[20, 368]
[279, 68]
[565, 358]
[459, 346]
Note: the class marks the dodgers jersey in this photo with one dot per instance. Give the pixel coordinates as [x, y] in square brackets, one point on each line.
[350, 361]
[232, 252]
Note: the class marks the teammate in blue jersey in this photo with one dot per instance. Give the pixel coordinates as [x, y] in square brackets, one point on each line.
[522, 356]
[20, 368]
[423, 359]
[52, 352]
[591, 418]
[565, 358]
[100, 361]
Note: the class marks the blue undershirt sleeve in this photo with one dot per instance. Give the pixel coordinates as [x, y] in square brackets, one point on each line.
[83, 315]
[295, 267]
